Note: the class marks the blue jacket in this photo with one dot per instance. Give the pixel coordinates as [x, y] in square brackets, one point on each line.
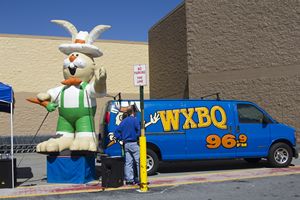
[129, 130]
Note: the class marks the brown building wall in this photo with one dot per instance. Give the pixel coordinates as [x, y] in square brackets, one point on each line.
[168, 71]
[247, 50]
[227, 35]
[33, 64]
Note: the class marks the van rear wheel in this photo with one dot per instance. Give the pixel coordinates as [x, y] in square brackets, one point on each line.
[152, 162]
[280, 155]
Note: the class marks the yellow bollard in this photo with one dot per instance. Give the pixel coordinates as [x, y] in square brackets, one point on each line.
[143, 148]
[143, 163]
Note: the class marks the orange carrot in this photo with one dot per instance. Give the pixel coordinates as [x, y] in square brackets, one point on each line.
[111, 143]
[37, 101]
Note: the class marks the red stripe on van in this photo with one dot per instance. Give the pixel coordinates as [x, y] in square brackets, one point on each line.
[107, 117]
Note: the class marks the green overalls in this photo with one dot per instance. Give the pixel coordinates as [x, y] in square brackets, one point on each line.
[79, 119]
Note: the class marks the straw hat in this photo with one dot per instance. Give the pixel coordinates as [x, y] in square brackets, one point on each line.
[82, 41]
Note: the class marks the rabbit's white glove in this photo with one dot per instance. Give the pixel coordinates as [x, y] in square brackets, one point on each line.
[111, 136]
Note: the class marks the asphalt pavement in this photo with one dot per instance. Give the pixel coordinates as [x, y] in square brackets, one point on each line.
[32, 179]
[268, 188]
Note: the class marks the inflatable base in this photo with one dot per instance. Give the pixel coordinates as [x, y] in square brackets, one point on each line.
[70, 169]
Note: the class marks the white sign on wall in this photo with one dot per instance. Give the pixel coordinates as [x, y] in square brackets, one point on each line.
[139, 75]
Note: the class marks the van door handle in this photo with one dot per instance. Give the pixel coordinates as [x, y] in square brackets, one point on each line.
[237, 128]
[230, 129]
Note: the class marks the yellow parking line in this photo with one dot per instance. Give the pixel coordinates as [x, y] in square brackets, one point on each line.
[47, 194]
[69, 192]
[223, 180]
[208, 173]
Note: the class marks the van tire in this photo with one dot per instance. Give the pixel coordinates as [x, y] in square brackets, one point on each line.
[252, 160]
[280, 155]
[152, 162]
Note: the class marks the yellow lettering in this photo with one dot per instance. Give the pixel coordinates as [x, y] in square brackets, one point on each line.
[189, 122]
[203, 112]
[219, 124]
[169, 118]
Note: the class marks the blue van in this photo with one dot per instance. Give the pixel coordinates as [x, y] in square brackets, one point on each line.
[205, 129]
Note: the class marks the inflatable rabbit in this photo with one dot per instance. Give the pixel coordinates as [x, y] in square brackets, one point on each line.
[76, 98]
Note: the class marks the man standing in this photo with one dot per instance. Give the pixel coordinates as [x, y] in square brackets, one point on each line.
[129, 132]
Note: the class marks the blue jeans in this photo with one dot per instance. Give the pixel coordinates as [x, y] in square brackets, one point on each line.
[132, 160]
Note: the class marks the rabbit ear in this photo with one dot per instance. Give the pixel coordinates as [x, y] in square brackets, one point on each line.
[68, 26]
[95, 33]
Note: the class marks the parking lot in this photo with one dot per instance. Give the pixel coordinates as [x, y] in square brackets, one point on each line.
[32, 180]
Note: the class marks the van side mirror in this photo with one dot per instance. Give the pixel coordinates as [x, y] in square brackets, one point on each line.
[264, 120]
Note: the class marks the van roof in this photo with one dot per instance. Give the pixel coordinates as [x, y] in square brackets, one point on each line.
[203, 100]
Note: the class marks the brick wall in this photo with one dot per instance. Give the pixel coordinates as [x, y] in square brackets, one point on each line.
[33, 64]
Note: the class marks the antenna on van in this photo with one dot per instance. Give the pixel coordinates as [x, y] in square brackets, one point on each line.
[115, 97]
[119, 97]
[217, 95]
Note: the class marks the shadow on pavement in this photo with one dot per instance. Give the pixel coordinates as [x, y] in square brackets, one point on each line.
[207, 165]
[24, 173]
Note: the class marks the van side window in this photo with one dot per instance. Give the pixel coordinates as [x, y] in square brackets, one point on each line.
[250, 114]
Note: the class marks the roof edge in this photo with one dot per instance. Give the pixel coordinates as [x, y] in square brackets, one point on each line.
[168, 15]
[68, 38]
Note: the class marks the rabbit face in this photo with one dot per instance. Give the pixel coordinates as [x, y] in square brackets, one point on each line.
[80, 66]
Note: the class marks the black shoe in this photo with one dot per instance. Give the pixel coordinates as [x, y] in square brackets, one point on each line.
[136, 183]
[129, 183]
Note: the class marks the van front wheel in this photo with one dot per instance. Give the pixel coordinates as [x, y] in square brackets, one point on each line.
[280, 155]
[152, 162]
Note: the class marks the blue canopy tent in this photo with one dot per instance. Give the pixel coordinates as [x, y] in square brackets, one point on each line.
[6, 105]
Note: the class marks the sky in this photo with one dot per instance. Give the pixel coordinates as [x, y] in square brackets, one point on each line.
[130, 19]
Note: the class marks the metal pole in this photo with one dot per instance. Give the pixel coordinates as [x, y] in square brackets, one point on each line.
[12, 143]
[143, 147]
[142, 110]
